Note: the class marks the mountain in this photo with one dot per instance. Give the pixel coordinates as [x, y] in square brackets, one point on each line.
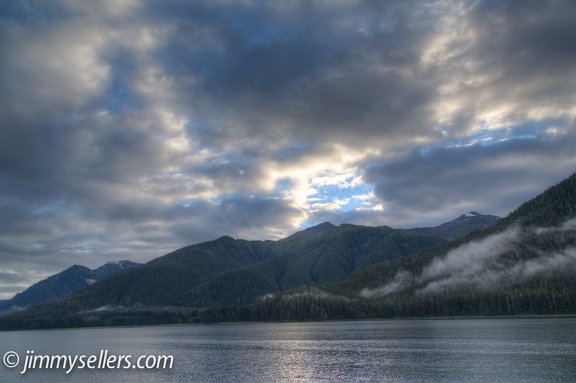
[224, 271]
[213, 273]
[460, 226]
[319, 254]
[160, 280]
[230, 271]
[65, 283]
[524, 264]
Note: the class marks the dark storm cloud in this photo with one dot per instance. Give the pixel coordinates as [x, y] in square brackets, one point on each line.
[534, 35]
[239, 216]
[489, 178]
[529, 47]
[303, 71]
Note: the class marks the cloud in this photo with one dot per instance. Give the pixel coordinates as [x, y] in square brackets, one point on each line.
[496, 261]
[283, 74]
[131, 128]
[483, 264]
[311, 293]
[239, 216]
[472, 264]
[326, 206]
[400, 282]
[460, 178]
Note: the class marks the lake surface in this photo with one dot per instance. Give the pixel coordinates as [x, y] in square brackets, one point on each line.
[470, 350]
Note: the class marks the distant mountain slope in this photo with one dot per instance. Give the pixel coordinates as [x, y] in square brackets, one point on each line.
[65, 283]
[460, 226]
[159, 280]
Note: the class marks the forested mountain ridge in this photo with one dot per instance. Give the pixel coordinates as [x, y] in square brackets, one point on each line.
[227, 271]
[65, 283]
[322, 254]
[523, 264]
[159, 280]
[187, 271]
[233, 271]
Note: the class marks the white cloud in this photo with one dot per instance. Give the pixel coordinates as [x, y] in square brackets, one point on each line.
[400, 282]
[485, 264]
[326, 206]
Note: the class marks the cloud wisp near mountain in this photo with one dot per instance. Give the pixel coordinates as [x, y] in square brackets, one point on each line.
[228, 271]
[521, 264]
[489, 263]
[197, 271]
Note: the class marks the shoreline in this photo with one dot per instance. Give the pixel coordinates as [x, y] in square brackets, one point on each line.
[443, 318]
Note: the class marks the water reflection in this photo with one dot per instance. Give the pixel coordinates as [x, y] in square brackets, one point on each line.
[513, 350]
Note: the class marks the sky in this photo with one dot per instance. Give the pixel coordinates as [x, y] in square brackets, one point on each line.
[131, 128]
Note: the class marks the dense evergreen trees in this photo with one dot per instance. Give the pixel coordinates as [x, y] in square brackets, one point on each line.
[534, 273]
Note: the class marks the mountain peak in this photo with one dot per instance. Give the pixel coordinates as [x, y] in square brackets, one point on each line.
[464, 224]
[320, 227]
[473, 216]
[65, 283]
[312, 232]
[470, 214]
[224, 238]
[76, 268]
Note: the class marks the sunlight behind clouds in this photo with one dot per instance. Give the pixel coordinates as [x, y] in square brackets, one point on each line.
[131, 128]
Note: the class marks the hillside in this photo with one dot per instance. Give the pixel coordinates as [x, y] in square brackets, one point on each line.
[230, 271]
[319, 254]
[65, 283]
[225, 272]
[159, 280]
[525, 264]
[213, 273]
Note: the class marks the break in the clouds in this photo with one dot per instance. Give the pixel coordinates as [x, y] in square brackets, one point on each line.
[130, 128]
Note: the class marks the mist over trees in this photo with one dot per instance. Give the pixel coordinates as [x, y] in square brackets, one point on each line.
[522, 265]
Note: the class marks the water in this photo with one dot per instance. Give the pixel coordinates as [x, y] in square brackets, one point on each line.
[472, 350]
